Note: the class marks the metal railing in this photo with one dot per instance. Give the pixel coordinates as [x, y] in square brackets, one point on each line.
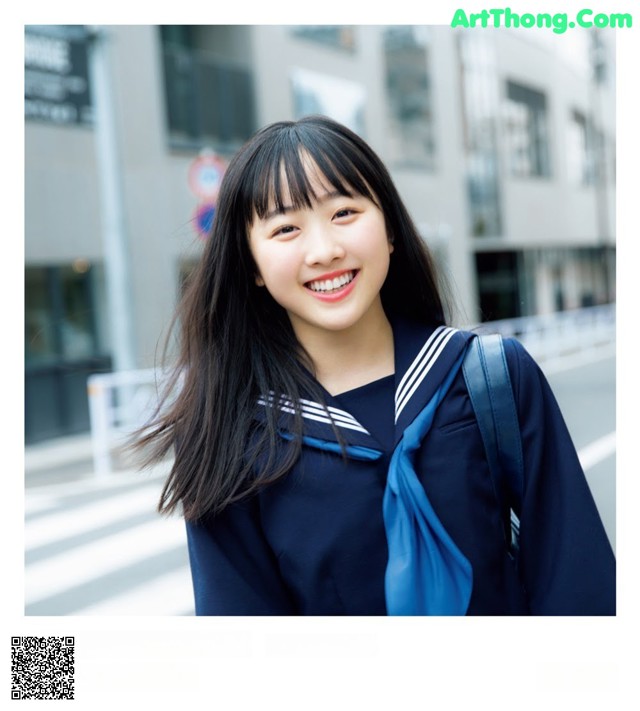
[121, 402]
[553, 335]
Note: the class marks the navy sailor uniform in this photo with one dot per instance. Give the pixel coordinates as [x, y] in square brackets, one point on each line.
[315, 542]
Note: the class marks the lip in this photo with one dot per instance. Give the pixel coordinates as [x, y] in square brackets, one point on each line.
[331, 275]
[340, 293]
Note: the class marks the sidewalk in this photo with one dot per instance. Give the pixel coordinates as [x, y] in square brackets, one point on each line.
[66, 459]
[61, 450]
[58, 460]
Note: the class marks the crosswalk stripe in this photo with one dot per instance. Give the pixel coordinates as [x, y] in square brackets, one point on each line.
[62, 523]
[170, 594]
[54, 495]
[88, 562]
[34, 506]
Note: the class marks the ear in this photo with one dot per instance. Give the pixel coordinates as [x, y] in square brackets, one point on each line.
[259, 280]
[390, 246]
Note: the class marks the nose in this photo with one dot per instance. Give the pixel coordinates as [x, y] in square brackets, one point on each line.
[322, 247]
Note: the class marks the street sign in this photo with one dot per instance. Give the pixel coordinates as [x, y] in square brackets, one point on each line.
[56, 75]
[205, 176]
[203, 219]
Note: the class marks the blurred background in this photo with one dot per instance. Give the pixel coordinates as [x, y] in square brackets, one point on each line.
[501, 142]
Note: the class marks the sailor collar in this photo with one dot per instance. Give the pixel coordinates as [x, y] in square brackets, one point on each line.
[424, 356]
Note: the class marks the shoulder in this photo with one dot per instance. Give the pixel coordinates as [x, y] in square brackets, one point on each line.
[523, 368]
[519, 360]
[535, 400]
[524, 372]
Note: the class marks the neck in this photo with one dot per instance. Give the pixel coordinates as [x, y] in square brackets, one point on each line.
[348, 358]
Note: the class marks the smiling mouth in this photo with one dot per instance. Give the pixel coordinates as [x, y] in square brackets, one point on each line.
[330, 286]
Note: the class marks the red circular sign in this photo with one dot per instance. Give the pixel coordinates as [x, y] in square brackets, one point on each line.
[205, 176]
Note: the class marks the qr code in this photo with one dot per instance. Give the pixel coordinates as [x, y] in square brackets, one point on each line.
[42, 667]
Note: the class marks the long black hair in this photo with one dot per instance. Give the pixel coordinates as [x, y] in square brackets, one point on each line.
[236, 343]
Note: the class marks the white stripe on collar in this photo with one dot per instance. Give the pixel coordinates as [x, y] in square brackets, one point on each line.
[314, 411]
[421, 365]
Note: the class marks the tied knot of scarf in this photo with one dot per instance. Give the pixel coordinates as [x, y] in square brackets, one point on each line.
[426, 573]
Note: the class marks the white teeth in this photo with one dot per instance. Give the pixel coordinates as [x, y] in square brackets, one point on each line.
[331, 284]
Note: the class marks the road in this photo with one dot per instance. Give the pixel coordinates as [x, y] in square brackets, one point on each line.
[96, 548]
[585, 389]
[99, 548]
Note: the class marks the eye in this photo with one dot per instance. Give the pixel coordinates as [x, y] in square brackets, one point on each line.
[284, 231]
[345, 212]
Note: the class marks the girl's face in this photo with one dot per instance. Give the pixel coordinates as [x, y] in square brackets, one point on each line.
[325, 265]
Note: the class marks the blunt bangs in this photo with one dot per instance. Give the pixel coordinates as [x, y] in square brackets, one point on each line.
[279, 176]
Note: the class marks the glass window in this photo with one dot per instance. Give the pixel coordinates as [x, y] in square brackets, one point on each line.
[209, 98]
[60, 322]
[76, 325]
[498, 285]
[580, 150]
[526, 123]
[410, 111]
[340, 36]
[340, 99]
[480, 112]
[40, 337]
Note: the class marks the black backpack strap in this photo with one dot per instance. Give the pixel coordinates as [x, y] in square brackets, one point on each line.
[487, 377]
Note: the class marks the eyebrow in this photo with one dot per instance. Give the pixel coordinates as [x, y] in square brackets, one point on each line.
[290, 208]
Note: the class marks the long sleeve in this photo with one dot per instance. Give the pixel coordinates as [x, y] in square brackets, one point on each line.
[233, 569]
[566, 562]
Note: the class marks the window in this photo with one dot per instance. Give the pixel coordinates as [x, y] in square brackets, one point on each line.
[580, 150]
[602, 55]
[209, 95]
[60, 322]
[527, 139]
[480, 112]
[409, 96]
[498, 285]
[339, 36]
[62, 348]
[341, 99]
[40, 339]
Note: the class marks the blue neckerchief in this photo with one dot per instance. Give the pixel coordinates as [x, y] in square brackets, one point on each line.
[426, 573]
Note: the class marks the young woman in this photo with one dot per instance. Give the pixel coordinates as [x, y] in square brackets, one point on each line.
[313, 341]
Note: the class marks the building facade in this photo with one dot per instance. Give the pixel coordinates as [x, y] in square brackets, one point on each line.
[501, 142]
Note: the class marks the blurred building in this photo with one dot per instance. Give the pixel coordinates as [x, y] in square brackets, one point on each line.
[502, 143]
